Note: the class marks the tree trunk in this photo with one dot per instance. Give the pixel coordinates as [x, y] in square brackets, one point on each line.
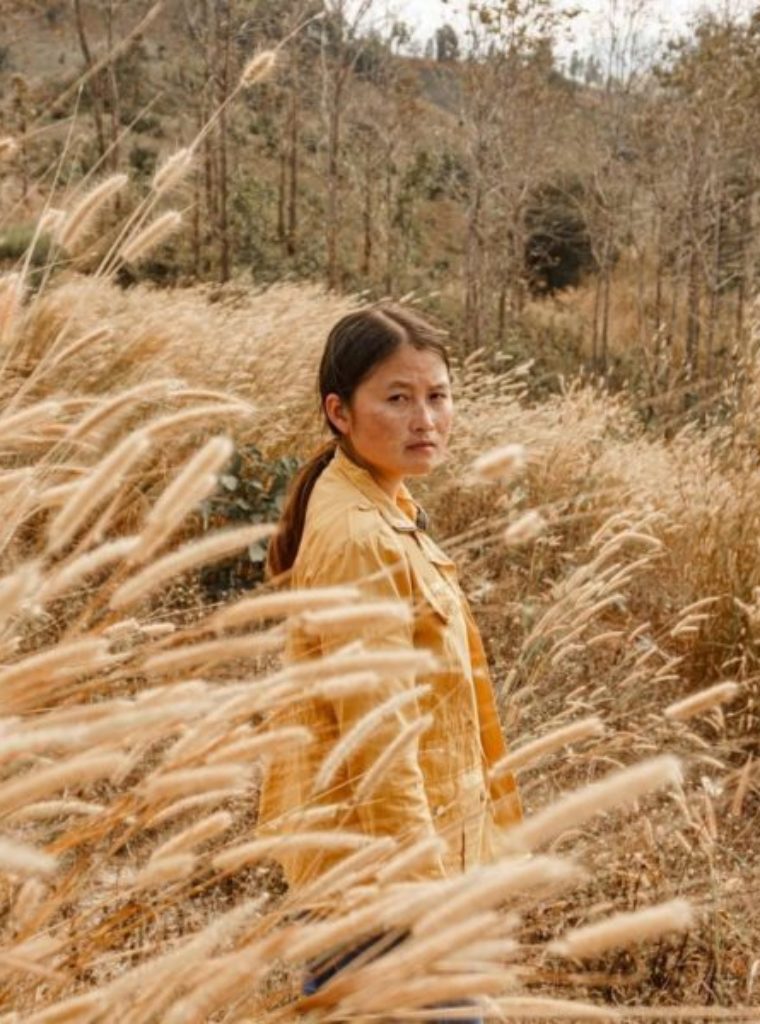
[282, 184]
[606, 302]
[113, 85]
[223, 6]
[714, 285]
[197, 199]
[659, 278]
[501, 313]
[209, 178]
[368, 217]
[95, 92]
[292, 229]
[333, 186]
[595, 322]
[693, 300]
[22, 123]
[473, 268]
[390, 254]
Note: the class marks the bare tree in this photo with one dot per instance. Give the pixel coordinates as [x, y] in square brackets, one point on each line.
[95, 81]
[507, 39]
[340, 50]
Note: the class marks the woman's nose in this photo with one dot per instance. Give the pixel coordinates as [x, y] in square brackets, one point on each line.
[423, 418]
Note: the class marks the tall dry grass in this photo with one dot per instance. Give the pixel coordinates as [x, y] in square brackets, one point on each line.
[135, 886]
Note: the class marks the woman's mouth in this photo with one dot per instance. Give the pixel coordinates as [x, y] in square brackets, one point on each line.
[422, 446]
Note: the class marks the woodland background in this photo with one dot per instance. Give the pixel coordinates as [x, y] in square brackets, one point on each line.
[595, 213]
[180, 224]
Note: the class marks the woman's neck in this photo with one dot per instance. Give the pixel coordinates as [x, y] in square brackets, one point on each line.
[391, 485]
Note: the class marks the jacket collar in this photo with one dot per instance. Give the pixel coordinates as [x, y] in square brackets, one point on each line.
[404, 514]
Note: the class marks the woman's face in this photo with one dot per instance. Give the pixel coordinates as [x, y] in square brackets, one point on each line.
[399, 418]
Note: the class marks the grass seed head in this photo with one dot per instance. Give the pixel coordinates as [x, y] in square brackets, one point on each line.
[8, 147]
[712, 697]
[260, 67]
[151, 236]
[525, 529]
[626, 929]
[173, 170]
[78, 222]
[503, 464]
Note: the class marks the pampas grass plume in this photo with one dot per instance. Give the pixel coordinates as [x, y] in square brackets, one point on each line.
[540, 1008]
[173, 170]
[416, 955]
[215, 652]
[273, 606]
[50, 809]
[524, 529]
[197, 833]
[77, 771]
[494, 883]
[28, 901]
[199, 552]
[11, 297]
[618, 789]
[78, 222]
[503, 464]
[545, 745]
[16, 588]
[423, 853]
[706, 699]
[85, 565]
[96, 486]
[22, 859]
[93, 337]
[627, 929]
[26, 418]
[158, 629]
[8, 147]
[194, 482]
[248, 748]
[165, 870]
[49, 665]
[154, 234]
[192, 803]
[354, 658]
[359, 732]
[346, 686]
[409, 735]
[258, 68]
[236, 856]
[379, 615]
[52, 219]
[170, 785]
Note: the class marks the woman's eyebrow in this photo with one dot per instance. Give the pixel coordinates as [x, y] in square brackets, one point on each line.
[408, 384]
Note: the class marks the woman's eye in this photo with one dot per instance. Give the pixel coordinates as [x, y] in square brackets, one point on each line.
[396, 398]
[439, 395]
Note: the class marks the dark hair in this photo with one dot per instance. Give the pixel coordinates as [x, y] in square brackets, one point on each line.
[355, 346]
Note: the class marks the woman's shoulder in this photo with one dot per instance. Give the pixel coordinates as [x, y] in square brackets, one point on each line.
[344, 537]
[337, 511]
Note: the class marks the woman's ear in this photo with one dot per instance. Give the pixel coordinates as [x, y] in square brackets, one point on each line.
[336, 412]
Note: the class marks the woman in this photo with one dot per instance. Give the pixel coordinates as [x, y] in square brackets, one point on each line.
[386, 395]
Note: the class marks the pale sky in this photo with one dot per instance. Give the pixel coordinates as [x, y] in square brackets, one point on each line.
[662, 15]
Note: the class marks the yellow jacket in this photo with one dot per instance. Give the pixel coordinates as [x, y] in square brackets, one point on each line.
[355, 533]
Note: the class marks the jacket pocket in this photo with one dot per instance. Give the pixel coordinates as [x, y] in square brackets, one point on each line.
[437, 578]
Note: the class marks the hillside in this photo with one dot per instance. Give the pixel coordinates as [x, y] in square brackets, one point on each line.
[404, 168]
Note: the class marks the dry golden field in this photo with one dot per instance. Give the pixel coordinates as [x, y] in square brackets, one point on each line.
[617, 582]
[133, 885]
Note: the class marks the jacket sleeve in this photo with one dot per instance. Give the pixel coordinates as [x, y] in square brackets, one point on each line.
[504, 793]
[399, 805]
